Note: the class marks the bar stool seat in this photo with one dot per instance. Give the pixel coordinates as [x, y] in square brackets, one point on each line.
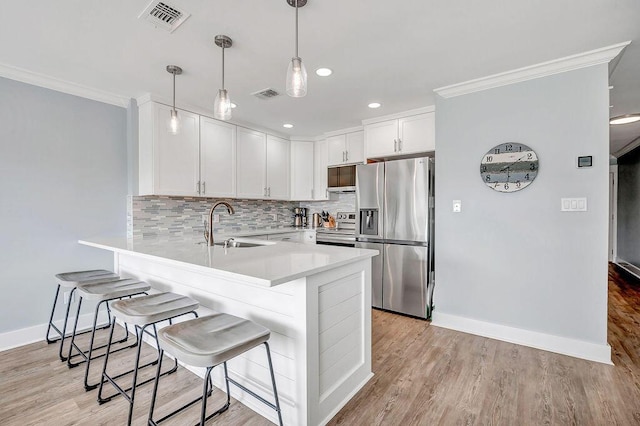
[70, 280]
[102, 292]
[212, 340]
[142, 312]
[207, 342]
[153, 308]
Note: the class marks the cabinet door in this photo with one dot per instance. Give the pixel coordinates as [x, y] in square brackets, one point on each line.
[417, 133]
[277, 168]
[217, 158]
[176, 157]
[380, 139]
[320, 157]
[301, 170]
[355, 147]
[336, 145]
[251, 166]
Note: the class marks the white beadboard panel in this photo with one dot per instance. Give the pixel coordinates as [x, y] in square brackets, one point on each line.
[337, 313]
[336, 333]
[339, 291]
[342, 370]
[332, 355]
[260, 377]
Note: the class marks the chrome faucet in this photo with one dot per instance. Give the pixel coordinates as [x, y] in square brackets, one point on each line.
[208, 226]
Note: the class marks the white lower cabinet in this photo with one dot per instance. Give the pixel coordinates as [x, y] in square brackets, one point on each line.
[302, 170]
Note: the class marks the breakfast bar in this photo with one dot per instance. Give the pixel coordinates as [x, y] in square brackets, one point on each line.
[315, 299]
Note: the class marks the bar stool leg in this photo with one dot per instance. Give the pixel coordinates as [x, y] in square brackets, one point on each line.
[203, 409]
[150, 421]
[106, 359]
[273, 381]
[53, 310]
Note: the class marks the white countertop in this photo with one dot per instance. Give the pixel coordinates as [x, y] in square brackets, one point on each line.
[268, 265]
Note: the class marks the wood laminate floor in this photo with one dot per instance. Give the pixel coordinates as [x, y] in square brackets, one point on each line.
[424, 375]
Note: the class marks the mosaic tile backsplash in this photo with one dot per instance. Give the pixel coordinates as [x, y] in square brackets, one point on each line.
[151, 216]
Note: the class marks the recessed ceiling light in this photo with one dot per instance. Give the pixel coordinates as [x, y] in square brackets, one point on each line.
[625, 119]
[233, 105]
[374, 105]
[287, 126]
[324, 72]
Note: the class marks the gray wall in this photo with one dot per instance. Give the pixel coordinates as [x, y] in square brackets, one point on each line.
[629, 207]
[516, 259]
[63, 176]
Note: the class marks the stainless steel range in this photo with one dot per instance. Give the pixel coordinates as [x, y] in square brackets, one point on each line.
[344, 234]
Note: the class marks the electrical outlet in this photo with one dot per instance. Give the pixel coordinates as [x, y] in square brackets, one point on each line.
[216, 218]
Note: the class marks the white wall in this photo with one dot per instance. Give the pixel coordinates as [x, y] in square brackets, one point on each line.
[63, 176]
[515, 260]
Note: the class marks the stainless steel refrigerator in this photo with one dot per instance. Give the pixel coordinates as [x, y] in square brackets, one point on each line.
[394, 206]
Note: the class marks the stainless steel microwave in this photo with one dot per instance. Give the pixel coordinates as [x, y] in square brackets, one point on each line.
[341, 179]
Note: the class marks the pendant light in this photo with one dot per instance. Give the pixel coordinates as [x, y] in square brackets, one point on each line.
[222, 104]
[296, 73]
[173, 125]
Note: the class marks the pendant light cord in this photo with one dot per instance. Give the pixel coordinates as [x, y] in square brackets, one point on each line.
[223, 67]
[297, 29]
[174, 90]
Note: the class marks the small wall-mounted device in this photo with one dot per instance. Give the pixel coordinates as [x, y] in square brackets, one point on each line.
[586, 161]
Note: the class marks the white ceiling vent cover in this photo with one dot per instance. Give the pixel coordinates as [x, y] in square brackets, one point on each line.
[163, 15]
[266, 94]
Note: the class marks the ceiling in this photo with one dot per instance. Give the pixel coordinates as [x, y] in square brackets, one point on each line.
[392, 52]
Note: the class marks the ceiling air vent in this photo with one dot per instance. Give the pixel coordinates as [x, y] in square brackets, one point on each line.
[163, 15]
[266, 94]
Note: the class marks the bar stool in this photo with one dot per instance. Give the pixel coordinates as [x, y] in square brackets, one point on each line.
[69, 281]
[143, 312]
[208, 342]
[101, 293]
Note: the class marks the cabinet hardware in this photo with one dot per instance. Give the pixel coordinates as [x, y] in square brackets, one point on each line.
[399, 145]
[269, 192]
[204, 188]
[198, 187]
[264, 192]
[312, 193]
[346, 155]
[343, 160]
[395, 145]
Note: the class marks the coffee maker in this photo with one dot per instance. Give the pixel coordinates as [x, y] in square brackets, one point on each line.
[299, 216]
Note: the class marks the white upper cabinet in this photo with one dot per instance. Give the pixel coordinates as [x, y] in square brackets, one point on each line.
[251, 165]
[345, 149]
[321, 158]
[217, 158]
[277, 179]
[407, 135]
[169, 164]
[302, 170]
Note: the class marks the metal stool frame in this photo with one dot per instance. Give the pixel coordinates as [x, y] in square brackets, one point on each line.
[88, 354]
[139, 331]
[208, 390]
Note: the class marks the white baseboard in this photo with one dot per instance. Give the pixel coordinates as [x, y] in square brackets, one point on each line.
[547, 342]
[36, 333]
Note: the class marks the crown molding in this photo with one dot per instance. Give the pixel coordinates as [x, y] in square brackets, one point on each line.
[557, 66]
[53, 83]
[343, 131]
[627, 148]
[402, 114]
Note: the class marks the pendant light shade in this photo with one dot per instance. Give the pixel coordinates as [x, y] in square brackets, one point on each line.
[173, 125]
[222, 103]
[296, 73]
[296, 78]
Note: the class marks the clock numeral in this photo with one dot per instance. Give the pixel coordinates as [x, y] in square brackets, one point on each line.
[506, 186]
[483, 169]
[520, 148]
[490, 158]
[509, 147]
[532, 166]
[530, 156]
[495, 185]
[488, 178]
[496, 151]
[518, 184]
[526, 177]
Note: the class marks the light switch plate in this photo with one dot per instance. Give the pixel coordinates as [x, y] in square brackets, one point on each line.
[457, 206]
[573, 204]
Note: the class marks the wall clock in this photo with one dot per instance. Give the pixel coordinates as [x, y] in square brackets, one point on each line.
[509, 167]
